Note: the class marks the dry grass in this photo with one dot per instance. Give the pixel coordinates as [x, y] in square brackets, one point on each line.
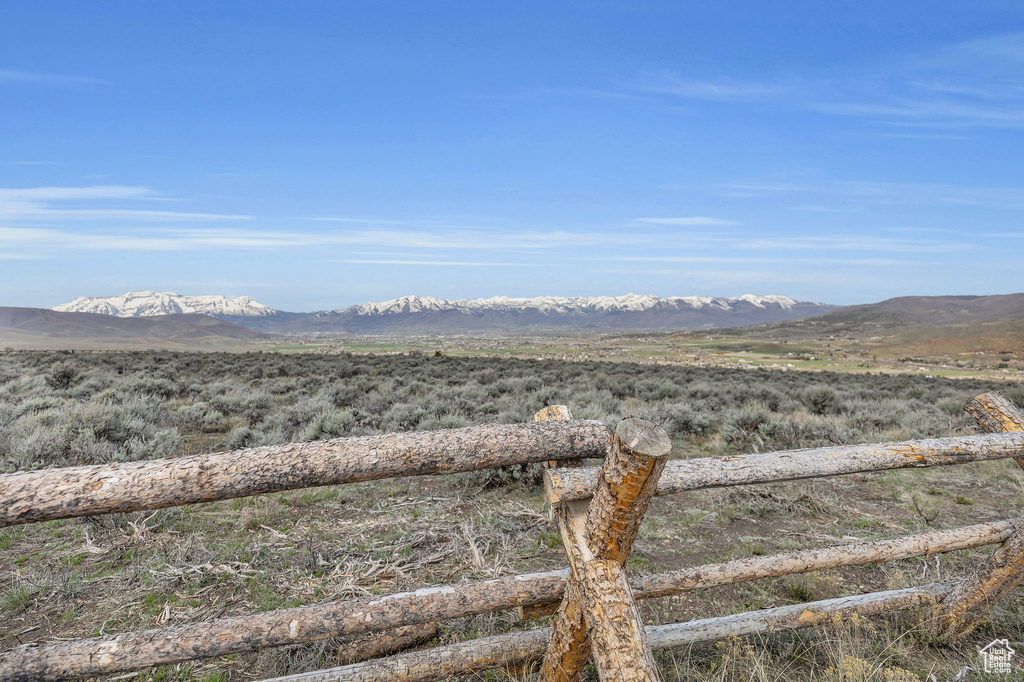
[85, 577]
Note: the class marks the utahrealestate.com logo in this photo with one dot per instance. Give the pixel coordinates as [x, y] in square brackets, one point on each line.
[996, 656]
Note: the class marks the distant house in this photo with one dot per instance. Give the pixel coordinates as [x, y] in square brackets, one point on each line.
[996, 656]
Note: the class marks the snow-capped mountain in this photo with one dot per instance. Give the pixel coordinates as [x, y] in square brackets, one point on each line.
[426, 314]
[567, 304]
[151, 303]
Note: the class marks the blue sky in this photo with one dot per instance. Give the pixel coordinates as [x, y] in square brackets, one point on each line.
[319, 154]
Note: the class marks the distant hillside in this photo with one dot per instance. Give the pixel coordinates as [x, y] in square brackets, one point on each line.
[916, 325]
[41, 328]
[904, 313]
[425, 314]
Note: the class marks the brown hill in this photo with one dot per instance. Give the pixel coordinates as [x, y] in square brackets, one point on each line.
[926, 326]
[44, 329]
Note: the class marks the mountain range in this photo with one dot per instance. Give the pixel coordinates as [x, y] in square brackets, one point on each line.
[928, 325]
[500, 313]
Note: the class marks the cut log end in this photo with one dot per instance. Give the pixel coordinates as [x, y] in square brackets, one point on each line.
[995, 413]
[643, 437]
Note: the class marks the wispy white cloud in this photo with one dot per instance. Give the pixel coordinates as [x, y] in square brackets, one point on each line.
[716, 279]
[14, 77]
[355, 221]
[977, 83]
[69, 193]
[695, 220]
[880, 262]
[433, 262]
[42, 213]
[198, 239]
[668, 82]
[851, 243]
[919, 136]
[847, 194]
[41, 204]
[682, 259]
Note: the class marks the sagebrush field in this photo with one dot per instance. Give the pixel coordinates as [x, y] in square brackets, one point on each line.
[82, 577]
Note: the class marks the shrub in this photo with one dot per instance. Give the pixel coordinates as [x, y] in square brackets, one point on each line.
[62, 376]
[821, 400]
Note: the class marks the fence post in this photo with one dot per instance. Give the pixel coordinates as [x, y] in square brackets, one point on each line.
[597, 544]
[967, 604]
[549, 413]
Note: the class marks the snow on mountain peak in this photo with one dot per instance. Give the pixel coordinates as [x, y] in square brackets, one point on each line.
[150, 303]
[564, 304]
[402, 304]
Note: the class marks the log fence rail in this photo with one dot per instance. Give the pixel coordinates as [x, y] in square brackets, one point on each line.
[598, 512]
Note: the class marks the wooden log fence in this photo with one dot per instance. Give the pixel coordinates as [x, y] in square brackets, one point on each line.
[1004, 571]
[596, 602]
[562, 485]
[518, 650]
[239, 634]
[598, 539]
[47, 494]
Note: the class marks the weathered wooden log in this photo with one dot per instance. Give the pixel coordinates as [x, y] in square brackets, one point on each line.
[561, 485]
[995, 414]
[380, 644]
[519, 649]
[617, 636]
[29, 496]
[823, 559]
[513, 651]
[551, 413]
[569, 647]
[570, 519]
[807, 560]
[557, 413]
[1004, 570]
[626, 484]
[794, 617]
[162, 646]
[966, 607]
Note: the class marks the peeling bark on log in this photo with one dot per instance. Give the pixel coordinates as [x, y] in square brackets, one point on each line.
[613, 622]
[626, 484]
[569, 647]
[558, 413]
[980, 591]
[30, 496]
[64, 660]
[823, 559]
[145, 649]
[538, 610]
[380, 644]
[513, 651]
[962, 610]
[519, 649]
[996, 414]
[561, 485]
[794, 617]
[564, 515]
[807, 560]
